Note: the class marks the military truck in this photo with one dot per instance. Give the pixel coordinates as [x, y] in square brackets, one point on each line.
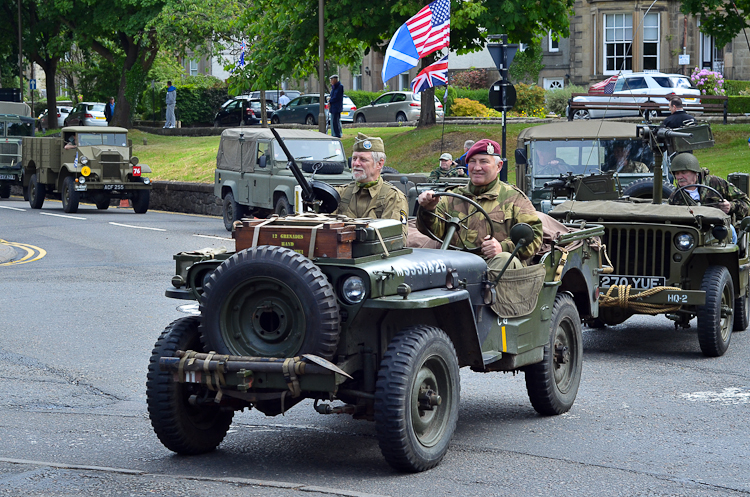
[581, 160]
[337, 310]
[85, 164]
[252, 177]
[12, 130]
[673, 260]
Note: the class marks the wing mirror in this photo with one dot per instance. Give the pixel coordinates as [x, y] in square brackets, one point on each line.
[521, 156]
[521, 234]
[262, 161]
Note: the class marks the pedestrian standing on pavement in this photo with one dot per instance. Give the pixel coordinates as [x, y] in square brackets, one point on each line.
[336, 105]
[109, 110]
[461, 161]
[171, 101]
[283, 99]
[679, 117]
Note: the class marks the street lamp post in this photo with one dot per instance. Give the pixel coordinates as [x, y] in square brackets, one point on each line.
[321, 76]
[502, 93]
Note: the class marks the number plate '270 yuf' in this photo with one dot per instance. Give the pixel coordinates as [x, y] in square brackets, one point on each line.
[640, 282]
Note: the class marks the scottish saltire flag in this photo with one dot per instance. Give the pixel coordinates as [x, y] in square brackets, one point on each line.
[426, 32]
[604, 87]
[241, 62]
[433, 75]
[75, 161]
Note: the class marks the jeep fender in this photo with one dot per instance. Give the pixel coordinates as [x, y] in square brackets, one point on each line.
[228, 186]
[726, 256]
[145, 169]
[283, 190]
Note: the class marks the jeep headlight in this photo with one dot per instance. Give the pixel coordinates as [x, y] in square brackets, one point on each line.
[81, 180]
[84, 160]
[684, 241]
[353, 290]
[146, 181]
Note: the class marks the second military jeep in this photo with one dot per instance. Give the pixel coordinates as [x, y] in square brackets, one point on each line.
[674, 260]
[337, 310]
[85, 164]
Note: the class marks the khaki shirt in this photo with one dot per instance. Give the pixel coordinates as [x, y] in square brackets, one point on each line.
[380, 201]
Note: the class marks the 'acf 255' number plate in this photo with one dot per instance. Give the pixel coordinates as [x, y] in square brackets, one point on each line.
[114, 187]
[639, 282]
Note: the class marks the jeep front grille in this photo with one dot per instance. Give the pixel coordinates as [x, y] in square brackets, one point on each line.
[639, 251]
[8, 153]
[110, 165]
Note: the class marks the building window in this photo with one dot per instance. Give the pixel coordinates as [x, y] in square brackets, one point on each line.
[553, 83]
[618, 43]
[357, 82]
[193, 67]
[404, 82]
[554, 45]
[651, 42]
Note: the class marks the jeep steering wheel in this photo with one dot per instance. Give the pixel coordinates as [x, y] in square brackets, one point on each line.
[454, 224]
[681, 189]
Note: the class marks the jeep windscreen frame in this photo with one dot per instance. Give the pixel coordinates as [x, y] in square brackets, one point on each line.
[23, 128]
[310, 150]
[585, 156]
[111, 139]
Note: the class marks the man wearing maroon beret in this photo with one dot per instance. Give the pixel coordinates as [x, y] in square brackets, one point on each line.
[505, 204]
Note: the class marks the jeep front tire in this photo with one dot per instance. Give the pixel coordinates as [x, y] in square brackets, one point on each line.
[715, 318]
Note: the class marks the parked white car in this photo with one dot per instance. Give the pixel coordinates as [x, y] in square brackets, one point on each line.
[639, 83]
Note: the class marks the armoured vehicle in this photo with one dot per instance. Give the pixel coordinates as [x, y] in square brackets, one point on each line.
[583, 160]
[252, 177]
[673, 260]
[12, 130]
[85, 164]
[338, 311]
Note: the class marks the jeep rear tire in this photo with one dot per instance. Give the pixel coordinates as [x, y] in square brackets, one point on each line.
[37, 191]
[232, 211]
[644, 188]
[741, 313]
[4, 190]
[416, 398]
[269, 302]
[552, 384]
[140, 201]
[182, 427]
[70, 197]
[715, 317]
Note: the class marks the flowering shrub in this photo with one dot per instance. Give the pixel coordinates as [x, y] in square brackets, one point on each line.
[475, 79]
[708, 82]
[466, 107]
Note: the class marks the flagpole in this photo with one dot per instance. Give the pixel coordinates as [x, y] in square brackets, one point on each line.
[445, 110]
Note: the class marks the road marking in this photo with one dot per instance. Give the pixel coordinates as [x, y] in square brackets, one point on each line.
[728, 396]
[32, 253]
[136, 227]
[61, 215]
[214, 237]
[12, 208]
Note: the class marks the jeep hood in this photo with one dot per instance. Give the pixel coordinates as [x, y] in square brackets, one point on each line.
[626, 211]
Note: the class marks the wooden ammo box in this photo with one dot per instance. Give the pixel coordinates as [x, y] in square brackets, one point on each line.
[316, 237]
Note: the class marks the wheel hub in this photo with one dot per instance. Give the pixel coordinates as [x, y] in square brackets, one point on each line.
[562, 353]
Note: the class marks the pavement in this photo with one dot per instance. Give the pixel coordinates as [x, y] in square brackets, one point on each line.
[7, 253]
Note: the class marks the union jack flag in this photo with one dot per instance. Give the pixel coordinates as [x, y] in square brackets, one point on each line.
[430, 27]
[604, 87]
[433, 75]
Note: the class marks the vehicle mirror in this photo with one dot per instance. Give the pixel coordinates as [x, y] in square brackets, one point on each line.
[404, 180]
[372, 102]
[521, 234]
[349, 161]
[521, 156]
[745, 224]
[262, 161]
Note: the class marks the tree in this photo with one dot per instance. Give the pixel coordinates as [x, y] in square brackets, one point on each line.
[719, 19]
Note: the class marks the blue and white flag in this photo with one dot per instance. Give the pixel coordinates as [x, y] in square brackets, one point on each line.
[423, 34]
[75, 161]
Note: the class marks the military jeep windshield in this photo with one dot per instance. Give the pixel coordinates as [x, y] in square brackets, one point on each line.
[17, 129]
[114, 139]
[315, 150]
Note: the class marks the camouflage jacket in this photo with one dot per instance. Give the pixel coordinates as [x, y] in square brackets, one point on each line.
[506, 206]
[438, 173]
[738, 200]
[380, 201]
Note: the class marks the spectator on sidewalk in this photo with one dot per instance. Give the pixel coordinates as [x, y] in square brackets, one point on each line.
[109, 110]
[283, 99]
[171, 101]
[336, 105]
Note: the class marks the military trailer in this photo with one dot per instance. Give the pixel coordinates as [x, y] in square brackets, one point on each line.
[583, 160]
[85, 164]
[12, 130]
[252, 177]
[673, 260]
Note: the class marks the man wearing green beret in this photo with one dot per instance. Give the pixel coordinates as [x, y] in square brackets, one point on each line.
[369, 196]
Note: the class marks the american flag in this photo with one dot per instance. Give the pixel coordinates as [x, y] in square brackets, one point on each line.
[430, 27]
[433, 75]
[604, 87]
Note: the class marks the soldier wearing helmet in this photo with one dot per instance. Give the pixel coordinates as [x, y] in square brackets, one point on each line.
[689, 174]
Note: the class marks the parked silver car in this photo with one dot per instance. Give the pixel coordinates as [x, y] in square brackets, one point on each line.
[62, 114]
[87, 114]
[639, 83]
[398, 106]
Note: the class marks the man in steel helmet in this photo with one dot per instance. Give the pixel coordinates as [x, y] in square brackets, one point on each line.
[687, 171]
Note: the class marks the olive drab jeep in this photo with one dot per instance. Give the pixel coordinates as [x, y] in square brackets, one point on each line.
[12, 130]
[584, 160]
[84, 163]
[673, 260]
[338, 311]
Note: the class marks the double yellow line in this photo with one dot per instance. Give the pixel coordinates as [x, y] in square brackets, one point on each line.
[32, 253]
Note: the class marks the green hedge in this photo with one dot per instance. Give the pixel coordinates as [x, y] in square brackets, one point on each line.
[362, 98]
[738, 104]
[733, 87]
[196, 105]
[481, 96]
